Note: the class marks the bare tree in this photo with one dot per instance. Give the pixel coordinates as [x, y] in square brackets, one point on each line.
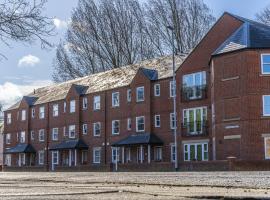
[264, 15]
[113, 33]
[23, 21]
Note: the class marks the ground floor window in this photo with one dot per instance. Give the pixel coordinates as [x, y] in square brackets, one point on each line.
[21, 159]
[173, 153]
[8, 159]
[96, 155]
[41, 157]
[140, 154]
[128, 157]
[84, 157]
[158, 153]
[55, 159]
[267, 147]
[115, 154]
[198, 151]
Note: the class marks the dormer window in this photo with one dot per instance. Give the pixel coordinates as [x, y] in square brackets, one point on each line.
[265, 63]
[55, 110]
[72, 106]
[140, 94]
[115, 99]
[23, 116]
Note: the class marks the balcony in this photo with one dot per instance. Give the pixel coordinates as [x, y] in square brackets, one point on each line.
[194, 93]
[196, 128]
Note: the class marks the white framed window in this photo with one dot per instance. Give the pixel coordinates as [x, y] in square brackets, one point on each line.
[23, 115]
[41, 135]
[55, 134]
[266, 105]
[140, 124]
[267, 147]
[115, 127]
[8, 159]
[84, 127]
[84, 156]
[172, 89]
[55, 110]
[191, 82]
[55, 156]
[140, 154]
[115, 154]
[158, 153]
[85, 103]
[33, 112]
[71, 131]
[41, 112]
[72, 106]
[21, 159]
[65, 106]
[196, 152]
[140, 94]
[41, 157]
[265, 63]
[194, 119]
[115, 99]
[96, 155]
[22, 137]
[9, 118]
[128, 155]
[97, 128]
[157, 90]
[32, 135]
[96, 102]
[172, 121]
[8, 138]
[129, 95]
[129, 124]
[157, 121]
[173, 153]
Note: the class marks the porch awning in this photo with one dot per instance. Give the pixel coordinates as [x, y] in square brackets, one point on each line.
[21, 148]
[70, 144]
[138, 139]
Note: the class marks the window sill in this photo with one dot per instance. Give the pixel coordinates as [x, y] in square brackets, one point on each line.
[264, 74]
[265, 116]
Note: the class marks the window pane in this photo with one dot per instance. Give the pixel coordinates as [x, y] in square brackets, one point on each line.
[266, 106]
[199, 152]
[266, 58]
[192, 152]
[266, 68]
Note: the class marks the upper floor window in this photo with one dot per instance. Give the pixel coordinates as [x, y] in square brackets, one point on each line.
[72, 106]
[173, 153]
[84, 129]
[23, 115]
[55, 110]
[65, 107]
[129, 124]
[115, 99]
[265, 63]
[8, 138]
[157, 90]
[97, 128]
[96, 102]
[9, 118]
[84, 103]
[172, 89]
[41, 112]
[41, 135]
[140, 124]
[129, 95]
[266, 105]
[115, 127]
[172, 121]
[157, 120]
[55, 134]
[32, 135]
[64, 131]
[194, 85]
[33, 112]
[22, 137]
[140, 94]
[71, 131]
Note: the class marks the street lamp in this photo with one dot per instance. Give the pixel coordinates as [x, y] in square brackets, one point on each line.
[174, 100]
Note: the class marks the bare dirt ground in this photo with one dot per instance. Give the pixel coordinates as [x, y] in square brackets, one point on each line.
[174, 185]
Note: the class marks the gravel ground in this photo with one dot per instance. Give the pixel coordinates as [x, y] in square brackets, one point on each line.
[180, 185]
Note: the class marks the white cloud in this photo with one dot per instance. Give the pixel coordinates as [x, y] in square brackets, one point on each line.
[60, 24]
[28, 61]
[10, 93]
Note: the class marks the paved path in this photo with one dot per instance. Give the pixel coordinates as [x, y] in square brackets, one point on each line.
[181, 185]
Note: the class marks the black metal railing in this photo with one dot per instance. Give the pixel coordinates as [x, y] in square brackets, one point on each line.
[194, 93]
[196, 128]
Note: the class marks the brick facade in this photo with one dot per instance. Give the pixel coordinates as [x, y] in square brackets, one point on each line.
[221, 118]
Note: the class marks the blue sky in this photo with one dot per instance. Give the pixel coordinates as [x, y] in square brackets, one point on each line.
[29, 67]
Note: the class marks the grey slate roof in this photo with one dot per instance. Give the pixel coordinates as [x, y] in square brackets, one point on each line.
[21, 148]
[250, 34]
[137, 139]
[70, 144]
[157, 68]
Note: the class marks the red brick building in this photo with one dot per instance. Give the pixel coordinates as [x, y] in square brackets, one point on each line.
[126, 114]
